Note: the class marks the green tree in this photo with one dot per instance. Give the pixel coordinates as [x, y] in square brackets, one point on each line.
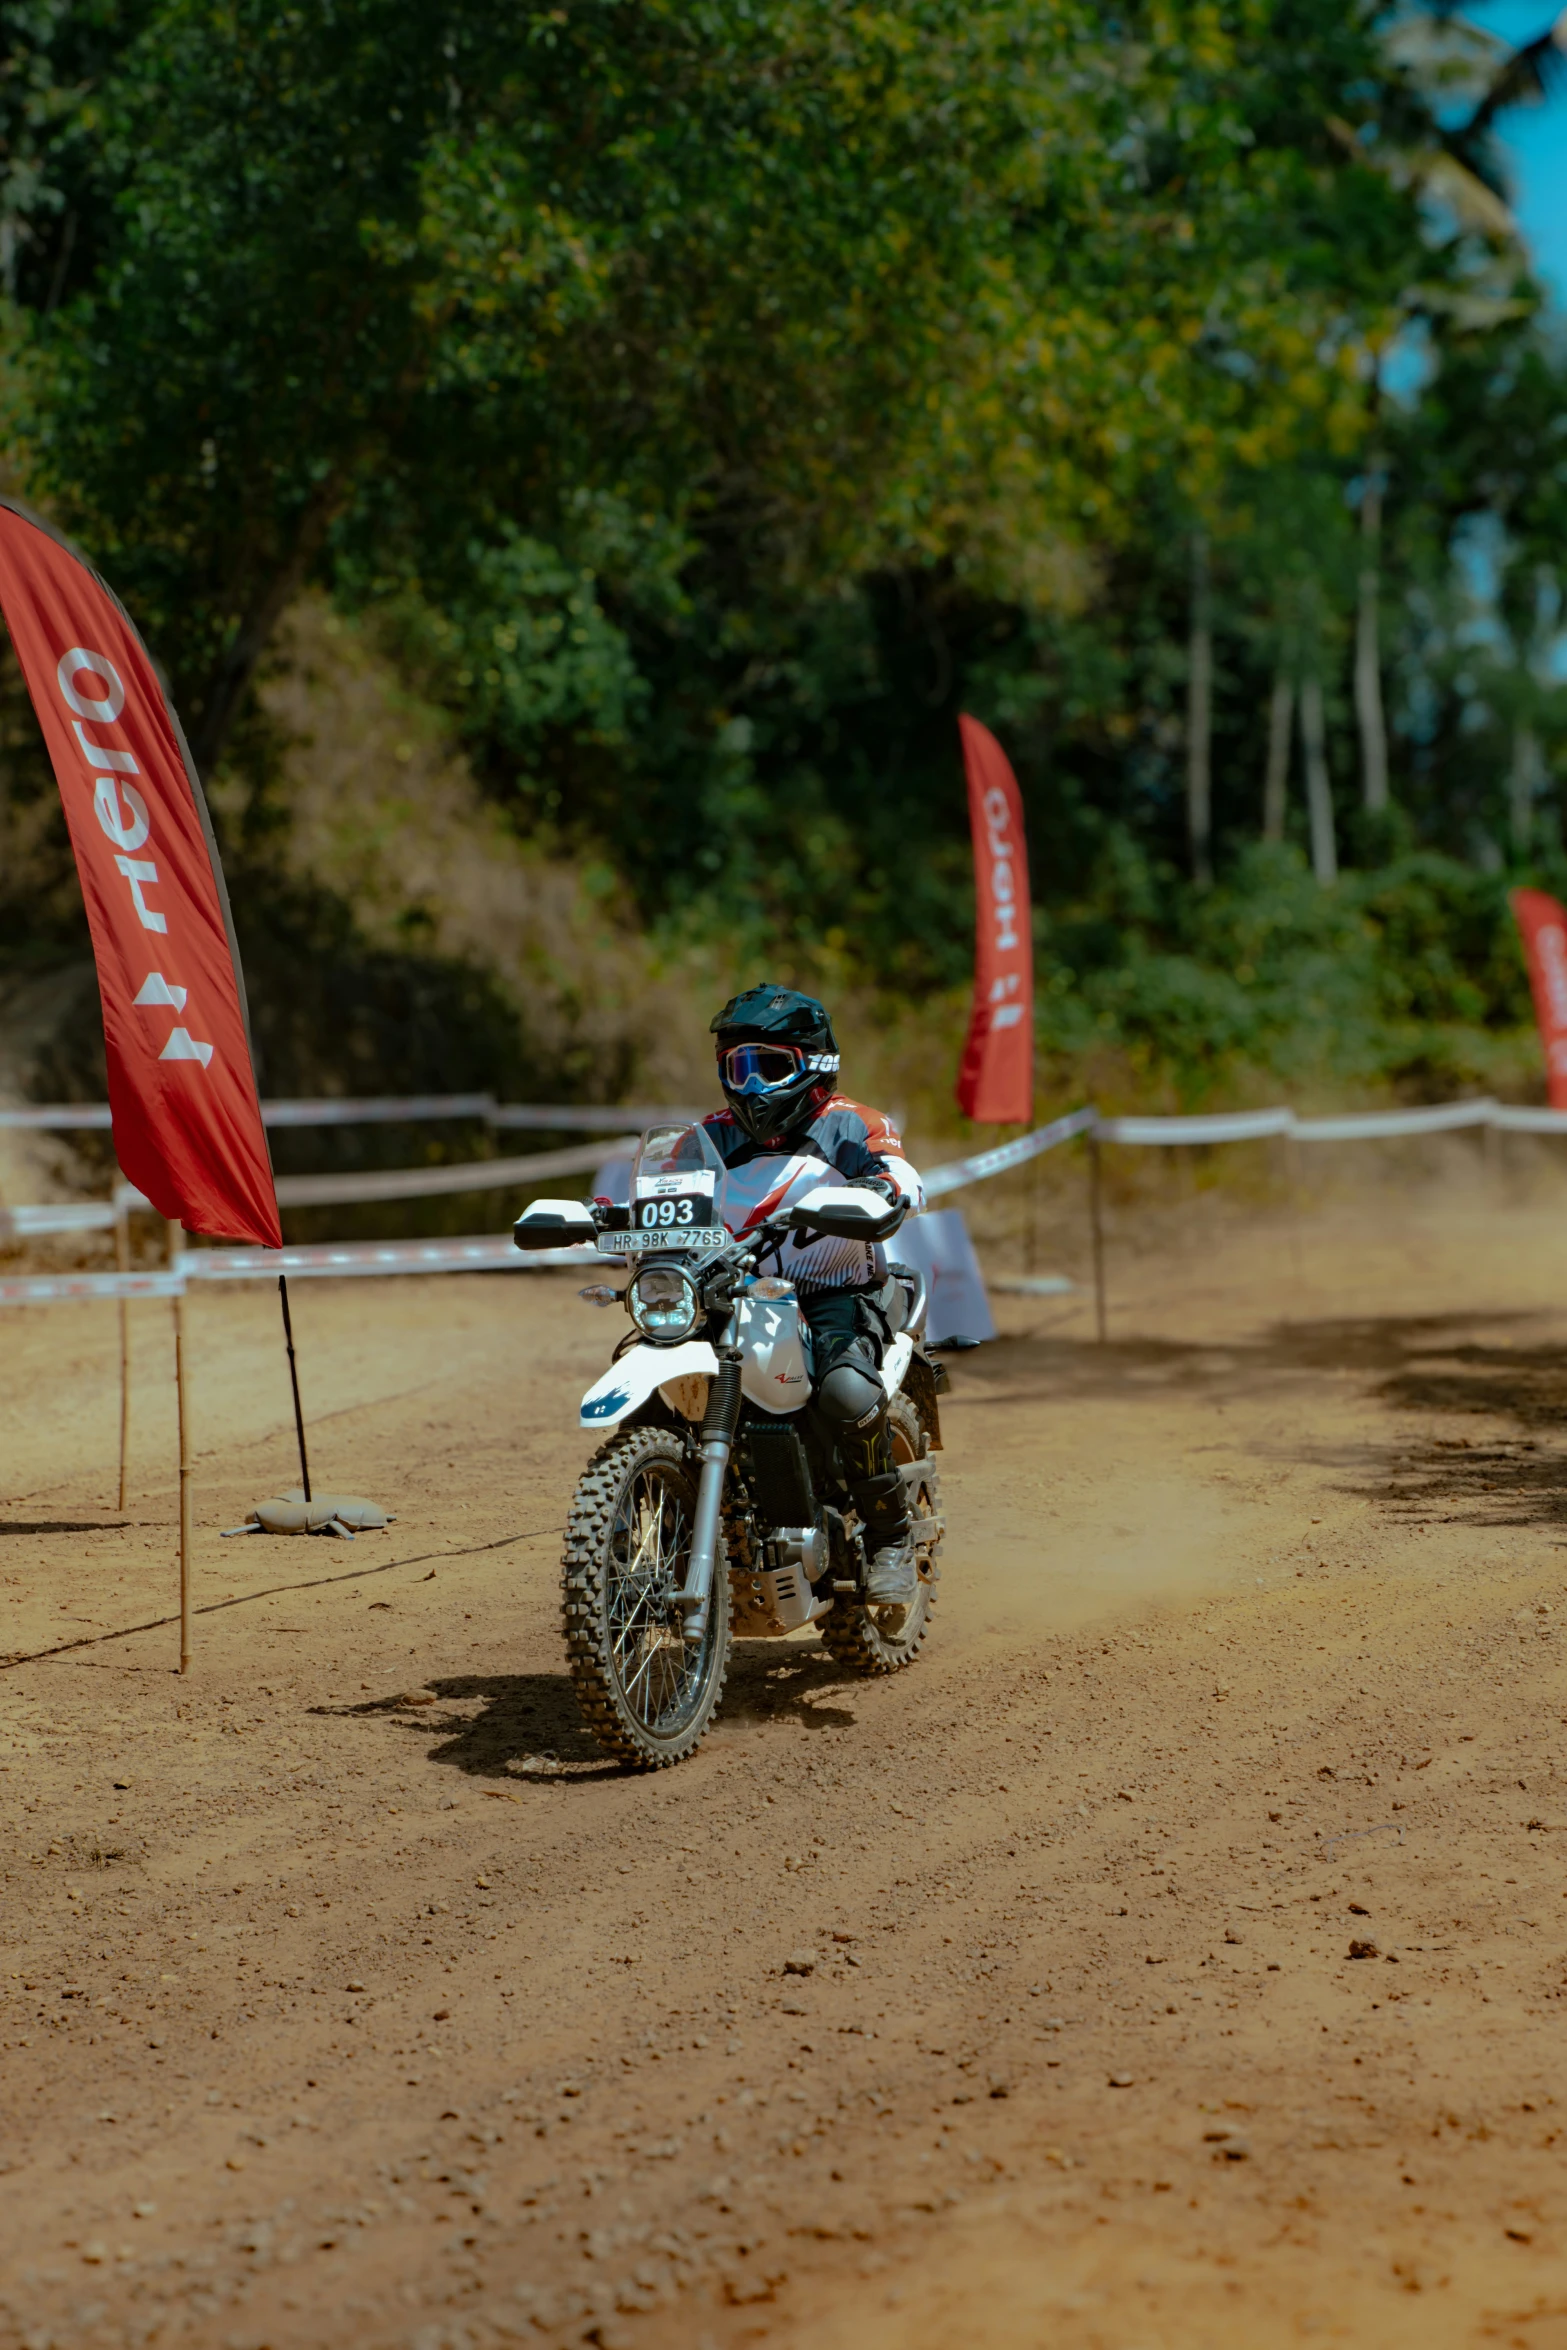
[702, 398]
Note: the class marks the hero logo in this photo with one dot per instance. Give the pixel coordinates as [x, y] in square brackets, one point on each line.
[1003, 894]
[1003, 899]
[122, 814]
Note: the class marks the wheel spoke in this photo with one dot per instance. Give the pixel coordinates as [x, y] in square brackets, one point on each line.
[632, 1635]
[649, 1657]
[648, 1549]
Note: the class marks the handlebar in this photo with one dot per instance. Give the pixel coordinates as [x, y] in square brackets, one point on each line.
[832, 1211]
[848, 1223]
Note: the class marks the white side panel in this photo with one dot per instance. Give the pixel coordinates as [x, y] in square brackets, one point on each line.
[895, 1362]
[773, 1373]
[627, 1384]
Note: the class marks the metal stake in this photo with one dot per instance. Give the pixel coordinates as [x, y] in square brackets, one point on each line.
[122, 1258]
[1096, 1220]
[1292, 1165]
[293, 1375]
[175, 1247]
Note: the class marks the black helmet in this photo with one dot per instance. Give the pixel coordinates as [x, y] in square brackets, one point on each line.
[777, 1058]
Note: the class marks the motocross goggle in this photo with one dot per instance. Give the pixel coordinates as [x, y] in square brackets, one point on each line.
[757, 1070]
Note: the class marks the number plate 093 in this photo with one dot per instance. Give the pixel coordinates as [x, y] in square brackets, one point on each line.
[675, 1210]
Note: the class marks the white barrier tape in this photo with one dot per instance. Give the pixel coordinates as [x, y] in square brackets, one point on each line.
[1385, 1125]
[958, 1172]
[1236, 1126]
[61, 1115]
[1356, 1126]
[586, 1121]
[337, 1191]
[489, 1253]
[414, 1109]
[411, 1109]
[88, 1215]
[45, 1288]
[1541, 1121]
[319, 1191]
[1240, 1126]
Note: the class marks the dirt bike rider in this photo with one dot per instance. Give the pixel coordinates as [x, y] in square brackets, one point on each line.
[777, 1062]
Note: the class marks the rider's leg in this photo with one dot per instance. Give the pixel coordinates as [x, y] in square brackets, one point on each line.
[850, 1399]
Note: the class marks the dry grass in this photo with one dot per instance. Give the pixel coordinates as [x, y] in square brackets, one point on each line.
[383, 808]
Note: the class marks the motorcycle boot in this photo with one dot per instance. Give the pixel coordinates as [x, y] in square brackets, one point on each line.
[891, 1575]
[852, 1398]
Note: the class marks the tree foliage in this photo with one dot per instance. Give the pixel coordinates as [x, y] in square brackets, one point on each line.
[703, 398]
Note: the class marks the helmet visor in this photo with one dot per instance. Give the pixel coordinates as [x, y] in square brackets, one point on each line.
[760, 1069]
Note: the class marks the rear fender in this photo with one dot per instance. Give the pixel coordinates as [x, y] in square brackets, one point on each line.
[628, 1383]
[921, 1386]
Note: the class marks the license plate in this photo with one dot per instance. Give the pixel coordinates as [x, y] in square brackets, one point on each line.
[669, 1211]
[668, 1239]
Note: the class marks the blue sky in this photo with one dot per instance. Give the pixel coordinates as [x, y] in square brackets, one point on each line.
[1535, 141]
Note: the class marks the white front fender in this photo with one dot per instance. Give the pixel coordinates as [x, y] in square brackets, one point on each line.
[895, 1362]
[626, 1385]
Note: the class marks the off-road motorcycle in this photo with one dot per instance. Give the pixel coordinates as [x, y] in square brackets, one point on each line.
[717, 1508]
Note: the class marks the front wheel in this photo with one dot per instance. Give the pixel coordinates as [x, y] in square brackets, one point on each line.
[648, 1693]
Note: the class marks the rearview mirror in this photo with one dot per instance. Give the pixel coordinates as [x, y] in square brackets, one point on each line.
[841, 1211]
[554, 1223]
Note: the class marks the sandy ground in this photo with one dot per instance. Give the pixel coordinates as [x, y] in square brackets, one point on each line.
[348, 1997]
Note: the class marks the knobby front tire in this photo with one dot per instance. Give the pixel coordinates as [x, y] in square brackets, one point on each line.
[647, 1694]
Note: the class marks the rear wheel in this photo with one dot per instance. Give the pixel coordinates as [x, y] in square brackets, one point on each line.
[873, 1640]
[647, 1692]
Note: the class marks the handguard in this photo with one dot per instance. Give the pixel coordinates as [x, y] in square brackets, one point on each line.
[554, 1223]
[847, 1211]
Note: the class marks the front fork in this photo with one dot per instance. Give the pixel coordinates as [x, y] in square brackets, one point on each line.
[714, 1448]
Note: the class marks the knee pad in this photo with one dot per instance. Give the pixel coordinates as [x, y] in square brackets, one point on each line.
[851, 1397]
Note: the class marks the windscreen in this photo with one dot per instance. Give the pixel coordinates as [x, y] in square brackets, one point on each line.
[674, 1150]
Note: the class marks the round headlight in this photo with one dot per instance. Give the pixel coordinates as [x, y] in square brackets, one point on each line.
[664, 1302]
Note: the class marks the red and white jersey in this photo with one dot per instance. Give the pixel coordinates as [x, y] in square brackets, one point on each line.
[760, 1180]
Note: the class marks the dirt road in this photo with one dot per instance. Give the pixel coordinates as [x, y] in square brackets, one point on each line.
[346, 1996]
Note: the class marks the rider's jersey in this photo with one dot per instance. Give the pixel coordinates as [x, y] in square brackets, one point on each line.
[760, 1180]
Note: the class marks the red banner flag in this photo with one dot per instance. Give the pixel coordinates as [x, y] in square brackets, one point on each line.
[996, 1080]
[182, 1090]
[1544, 926]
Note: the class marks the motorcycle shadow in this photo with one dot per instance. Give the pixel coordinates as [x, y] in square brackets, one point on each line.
[512, 1727]
[516, 1728]
[773, 1681]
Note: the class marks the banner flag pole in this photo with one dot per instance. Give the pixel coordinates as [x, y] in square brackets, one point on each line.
[122, 1259]
[1096, 1220]
[176, 1249]
[293, 1375]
